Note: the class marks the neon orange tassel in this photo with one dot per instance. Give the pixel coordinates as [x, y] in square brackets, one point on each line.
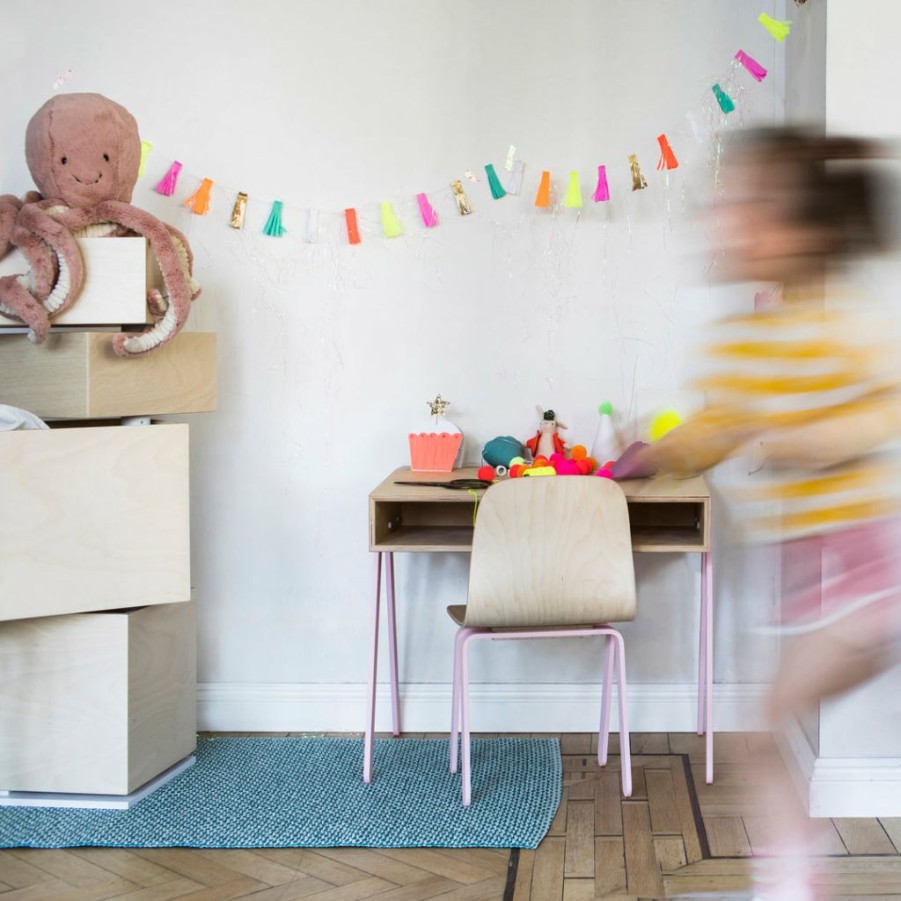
[353, 233]
[667, 157]
[543, 197]
[199, 201]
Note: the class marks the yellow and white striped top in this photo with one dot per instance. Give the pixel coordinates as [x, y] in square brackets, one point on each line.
[813, 392]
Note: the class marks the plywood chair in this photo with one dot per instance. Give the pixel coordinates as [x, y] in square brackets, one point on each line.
[551, 558]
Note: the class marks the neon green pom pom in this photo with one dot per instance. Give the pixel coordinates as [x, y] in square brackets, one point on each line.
[664, 422]
[606, 408]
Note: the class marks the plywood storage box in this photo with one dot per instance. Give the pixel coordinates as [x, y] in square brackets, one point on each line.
[96, 703]
[76, 375]
[115, 285]
[93, 518]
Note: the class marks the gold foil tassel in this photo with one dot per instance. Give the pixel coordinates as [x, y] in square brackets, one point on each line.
[463, 204]
[238, 211]
[638, 181]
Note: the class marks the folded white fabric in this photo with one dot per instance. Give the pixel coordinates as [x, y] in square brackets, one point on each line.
[14, 418]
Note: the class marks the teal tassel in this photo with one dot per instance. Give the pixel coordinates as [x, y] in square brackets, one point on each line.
[497, 189]
[724, 100]
[273, 226]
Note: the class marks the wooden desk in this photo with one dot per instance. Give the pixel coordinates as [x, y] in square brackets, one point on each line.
[666, 516]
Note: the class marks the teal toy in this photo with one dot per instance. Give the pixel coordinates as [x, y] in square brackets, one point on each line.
[500, 451]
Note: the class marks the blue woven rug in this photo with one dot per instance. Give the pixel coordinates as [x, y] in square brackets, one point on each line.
[309, 793]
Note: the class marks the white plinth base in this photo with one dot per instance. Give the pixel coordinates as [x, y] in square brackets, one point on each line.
[96, 802]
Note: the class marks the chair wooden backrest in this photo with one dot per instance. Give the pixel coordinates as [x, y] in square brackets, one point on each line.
[551, 551]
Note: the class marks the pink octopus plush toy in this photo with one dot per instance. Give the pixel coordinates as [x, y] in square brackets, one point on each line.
[83, 152]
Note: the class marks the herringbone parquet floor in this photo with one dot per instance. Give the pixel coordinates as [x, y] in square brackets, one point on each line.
[674, 835]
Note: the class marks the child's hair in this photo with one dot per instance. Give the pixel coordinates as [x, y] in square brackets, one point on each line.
[831, 184]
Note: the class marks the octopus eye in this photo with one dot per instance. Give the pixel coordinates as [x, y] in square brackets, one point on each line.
[106, 157]
[64, 160]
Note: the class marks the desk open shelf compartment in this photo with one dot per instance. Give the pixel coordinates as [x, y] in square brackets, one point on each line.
[421, 526]
[677, 526]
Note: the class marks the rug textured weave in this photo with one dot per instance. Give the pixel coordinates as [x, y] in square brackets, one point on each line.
[309, 793]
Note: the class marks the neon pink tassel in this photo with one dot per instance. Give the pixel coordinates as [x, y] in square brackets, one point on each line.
[757, 71]
[429, 216]
[602, 191]
[167, 182]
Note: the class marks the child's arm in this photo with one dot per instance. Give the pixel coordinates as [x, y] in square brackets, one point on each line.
[844, 435]
[700, 443]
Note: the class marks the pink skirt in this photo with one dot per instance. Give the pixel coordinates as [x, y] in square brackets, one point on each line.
[854, 571]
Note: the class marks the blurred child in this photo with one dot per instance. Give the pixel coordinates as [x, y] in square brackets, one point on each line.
[811, 387]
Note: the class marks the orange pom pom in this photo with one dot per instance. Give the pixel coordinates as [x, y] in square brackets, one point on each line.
[579, 452]
[540, 461]
[516, 470]
[487, 473]
[584, 466]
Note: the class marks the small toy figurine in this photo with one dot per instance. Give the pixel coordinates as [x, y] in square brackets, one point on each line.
[546, 440]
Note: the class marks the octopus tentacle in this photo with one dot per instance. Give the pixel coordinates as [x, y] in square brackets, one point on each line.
[16, 300]
[174, 278]
[9, 211]
[58, 237]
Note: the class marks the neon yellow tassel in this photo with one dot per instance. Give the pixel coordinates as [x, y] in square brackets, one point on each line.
[146, 147]
[573, 195]
[390, 225]
[777, 28]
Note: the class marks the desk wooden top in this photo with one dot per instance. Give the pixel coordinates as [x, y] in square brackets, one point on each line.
[655, 490]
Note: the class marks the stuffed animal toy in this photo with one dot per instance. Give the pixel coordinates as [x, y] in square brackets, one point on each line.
[83, 152]
[546, 440]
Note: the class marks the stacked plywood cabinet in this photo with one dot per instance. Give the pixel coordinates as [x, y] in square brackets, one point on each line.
[97, 629]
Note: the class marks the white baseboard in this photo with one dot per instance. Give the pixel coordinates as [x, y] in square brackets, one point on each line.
[544, 707]
[841, 786]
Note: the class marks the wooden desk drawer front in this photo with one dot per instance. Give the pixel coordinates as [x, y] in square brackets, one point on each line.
[93, 519]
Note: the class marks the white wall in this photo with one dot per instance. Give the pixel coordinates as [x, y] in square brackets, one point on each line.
[329, 352]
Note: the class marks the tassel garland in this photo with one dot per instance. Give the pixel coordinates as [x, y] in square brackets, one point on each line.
[238, 211]
[429, 216]
[602, 191]
[514, 179]
[777, 28]
[199, 201]
[463, 205]
[146, 147]
[573, 197]
[758, 73]
[312, 226]
[353, 233]
[638, 180]
[497, 189]
[166, 184]
[390, 225]
[543, 197]
[273, 226]
[667, 157]
[723, 99]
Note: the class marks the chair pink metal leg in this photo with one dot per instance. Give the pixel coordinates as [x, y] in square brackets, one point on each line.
[464, 716]
[373, 668]
[702, 652]
[455, 699]
[625, 746]
[606, 696]
[707, 602]
[392, 644]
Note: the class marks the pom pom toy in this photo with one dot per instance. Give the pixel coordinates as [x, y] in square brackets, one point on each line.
[604, 473]
[486, 473]
[579, 452]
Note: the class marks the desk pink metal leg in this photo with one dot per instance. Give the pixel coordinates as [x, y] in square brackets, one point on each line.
[373, 668]
[604, 731]
[392, 644]
[702, 649]
[707, 612]
[464, 718]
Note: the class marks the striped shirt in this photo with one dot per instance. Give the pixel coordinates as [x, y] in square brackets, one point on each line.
[812, 391]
